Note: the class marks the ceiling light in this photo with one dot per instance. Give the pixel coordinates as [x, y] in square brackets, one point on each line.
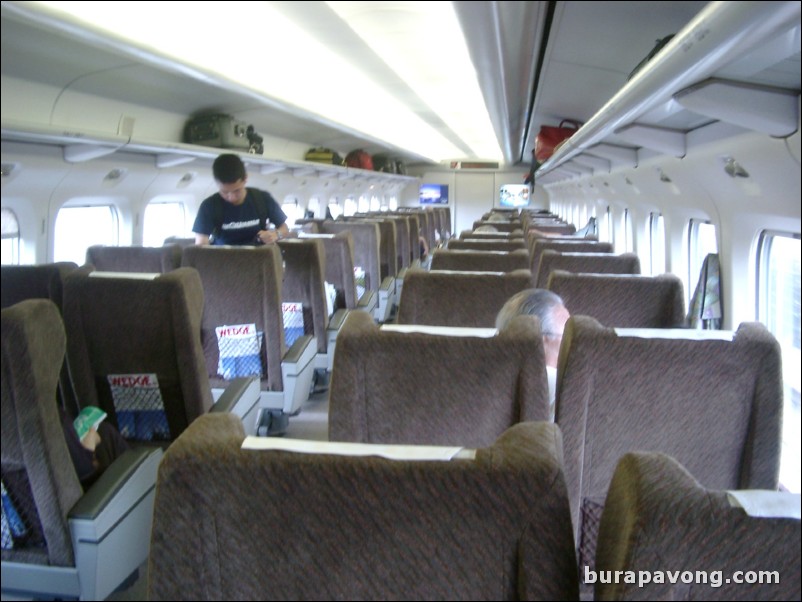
[423, 44]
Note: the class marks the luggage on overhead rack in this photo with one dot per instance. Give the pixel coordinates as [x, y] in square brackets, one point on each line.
[323, 155]
[223, 131]
[360, 159]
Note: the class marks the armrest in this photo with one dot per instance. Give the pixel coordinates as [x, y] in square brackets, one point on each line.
[94, 501]
[368, 301]
[338, 319]
[234, 392]
[296, 351]
[387, 284]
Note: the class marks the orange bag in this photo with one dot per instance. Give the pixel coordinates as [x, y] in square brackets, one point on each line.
[549, 137]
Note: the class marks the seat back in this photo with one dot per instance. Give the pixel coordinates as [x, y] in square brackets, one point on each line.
[657, 517]
[480, 261]
[710, 399]
[46, 281]
[505, 226]
[493, 525]
[181, 241]
[366, 247]
[594, 263]
[471, 299]
[304, 270]
[622, 301]
[495, 236]
[339, 251]
[134, 349]
[241, 285]
[538, 245]
[486, 245]
[157, 260]
[36, 467]
[394, 386]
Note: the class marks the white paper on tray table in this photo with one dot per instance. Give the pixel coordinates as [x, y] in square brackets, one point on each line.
[449, 331]
[391, 452]
[766, 504]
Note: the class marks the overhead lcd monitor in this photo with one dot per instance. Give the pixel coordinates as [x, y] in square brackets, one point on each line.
[434, 194]
[514, 195]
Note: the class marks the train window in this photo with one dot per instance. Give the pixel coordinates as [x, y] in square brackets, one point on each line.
[161, 221]
[375, 203]
[335, 210]
[701, 242]
[350, 206]
[606, 226]
[657, 243]
[363, 206]
[626, 228]
[292, 209]
[10, 229]
[313, 207]
[393, 203]
[78, 228]
[779, 309]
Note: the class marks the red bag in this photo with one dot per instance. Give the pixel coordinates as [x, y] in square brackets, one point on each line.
[549, 137]
[360, 159]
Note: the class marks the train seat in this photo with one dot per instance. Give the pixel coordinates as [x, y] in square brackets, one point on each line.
[388, 251]
[435, 385]
[509, 226]
[564, 245]
[487, 245]
[367, 260]
[447, 298]
[181, 241]
[339, 249]
[304, 283]
[134, 349]
[622, 301]
[45, 281]
[657, 518]
[482, 261]
[243, 286]
[61, 542]
[710, 399]
[489, 235]
[488, 524]
[594, 263]
[157, 260]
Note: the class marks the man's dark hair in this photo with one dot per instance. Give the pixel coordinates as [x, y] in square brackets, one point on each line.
[227, 169]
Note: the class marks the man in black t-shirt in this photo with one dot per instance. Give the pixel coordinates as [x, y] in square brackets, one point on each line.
[237, 215]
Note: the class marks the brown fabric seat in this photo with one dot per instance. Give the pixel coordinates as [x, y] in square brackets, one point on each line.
[710, 399]
[593, 263]
[320, 526]
[124, 329]
[486, 245]
[480, 261]
[538, 245]
[241, 285]
[415, 387]
[68, 544]
[471, 299]
[156, 260]
[658, 518]
[45, 281]
[622, 301]
[304, 273]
